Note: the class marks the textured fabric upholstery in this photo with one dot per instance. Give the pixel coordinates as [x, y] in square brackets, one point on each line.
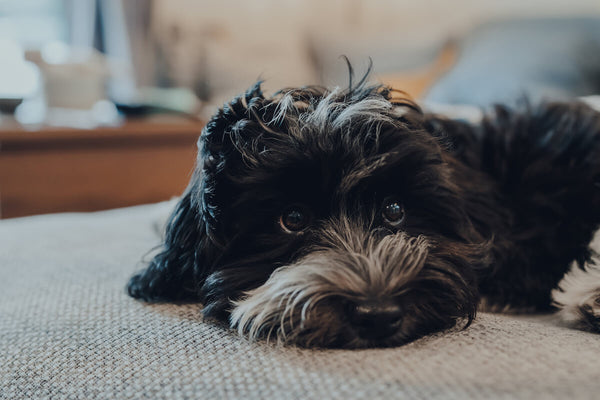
[68, 330]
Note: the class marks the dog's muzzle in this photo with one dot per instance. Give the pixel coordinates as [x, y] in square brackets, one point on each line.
[350, 288]
[375, 319]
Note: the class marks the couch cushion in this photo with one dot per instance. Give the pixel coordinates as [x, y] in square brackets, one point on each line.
[68, 330]
[504, 61]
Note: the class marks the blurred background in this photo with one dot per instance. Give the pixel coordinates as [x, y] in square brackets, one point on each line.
[101, 101]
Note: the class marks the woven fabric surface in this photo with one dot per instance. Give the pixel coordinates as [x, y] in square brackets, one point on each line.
[69, 331]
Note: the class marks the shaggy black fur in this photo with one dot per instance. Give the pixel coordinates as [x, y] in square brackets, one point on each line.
[505, 205]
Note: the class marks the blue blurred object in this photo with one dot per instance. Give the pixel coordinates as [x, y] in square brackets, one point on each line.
[505, 61]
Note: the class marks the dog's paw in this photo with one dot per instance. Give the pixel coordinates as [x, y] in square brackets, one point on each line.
[577, 297]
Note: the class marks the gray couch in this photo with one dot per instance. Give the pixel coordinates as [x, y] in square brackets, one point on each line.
[553, 58]
[69, 331]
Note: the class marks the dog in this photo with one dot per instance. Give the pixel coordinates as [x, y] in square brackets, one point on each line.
[352, 218]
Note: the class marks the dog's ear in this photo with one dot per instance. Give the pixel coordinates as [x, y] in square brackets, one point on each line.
[198, 230]
[194, 239]
[458, 137]
[177, 271]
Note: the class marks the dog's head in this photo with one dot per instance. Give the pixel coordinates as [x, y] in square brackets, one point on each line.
[326, 218]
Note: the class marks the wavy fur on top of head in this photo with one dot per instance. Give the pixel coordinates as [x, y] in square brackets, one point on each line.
[476, 214]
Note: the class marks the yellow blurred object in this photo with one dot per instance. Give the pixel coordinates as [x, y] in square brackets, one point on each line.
[416, 82]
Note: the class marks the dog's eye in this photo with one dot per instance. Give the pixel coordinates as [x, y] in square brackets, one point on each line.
[295, 218]
[392, 211]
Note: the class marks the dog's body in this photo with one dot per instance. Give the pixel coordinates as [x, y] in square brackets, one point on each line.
[353, 219]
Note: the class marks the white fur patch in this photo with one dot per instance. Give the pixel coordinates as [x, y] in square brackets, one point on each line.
[578, 294]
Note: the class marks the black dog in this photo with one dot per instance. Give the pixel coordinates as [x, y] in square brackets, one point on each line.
[353, 219]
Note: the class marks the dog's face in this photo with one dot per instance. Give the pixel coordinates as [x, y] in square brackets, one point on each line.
[327, 219]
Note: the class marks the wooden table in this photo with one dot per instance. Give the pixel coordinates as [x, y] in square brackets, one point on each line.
[61, 169]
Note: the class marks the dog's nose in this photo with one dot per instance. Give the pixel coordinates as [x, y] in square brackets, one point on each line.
[375, 319]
